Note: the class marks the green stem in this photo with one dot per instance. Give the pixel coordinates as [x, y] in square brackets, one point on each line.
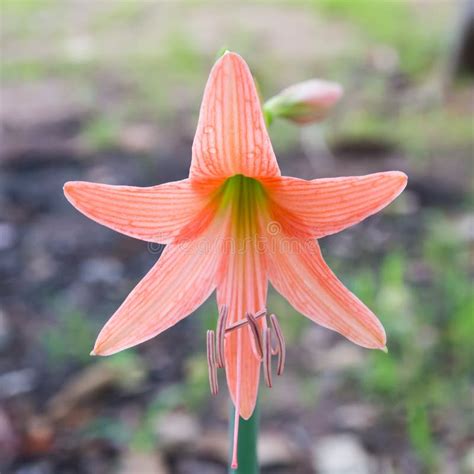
[267, 115]
[247, 447]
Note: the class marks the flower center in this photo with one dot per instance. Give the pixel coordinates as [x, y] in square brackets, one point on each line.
[246, 199]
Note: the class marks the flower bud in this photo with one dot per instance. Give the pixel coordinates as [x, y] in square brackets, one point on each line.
[305, 102]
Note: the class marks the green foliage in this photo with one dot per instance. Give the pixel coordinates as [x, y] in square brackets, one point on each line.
[379, 113]
[143, 438]
[23, 7]
[120, 12]
[70, 339]
[181, 55]
[207, 317]
[417, 133]
[24, 70]
[430, 331]
[192, 394]
[419, 430]
[196, 385]
[284, 138]
[364, 286]
[309, 391]
[128, 366]
[168, 399]
[107, 428]
[160, 75]
[450, 262]
[392, 23]
[384, 376]
[291, 322]
[101, 133]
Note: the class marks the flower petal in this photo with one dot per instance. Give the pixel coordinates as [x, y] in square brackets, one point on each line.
[231, 137]
[156, 214]
[181, 280]
[324, 206]
[297, 270]
[242, 286]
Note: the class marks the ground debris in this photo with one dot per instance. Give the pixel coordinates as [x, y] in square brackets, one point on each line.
[89, 384]
[341, 454]
[139, 462]
[38, 438]
[16, 383]
[176, 431]
[277, 450]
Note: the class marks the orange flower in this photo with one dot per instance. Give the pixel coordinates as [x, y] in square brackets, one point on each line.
[233, 225]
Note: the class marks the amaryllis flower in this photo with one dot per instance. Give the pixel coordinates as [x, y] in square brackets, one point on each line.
[232, 226]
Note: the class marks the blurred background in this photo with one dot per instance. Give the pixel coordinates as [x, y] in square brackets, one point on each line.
[109, 91]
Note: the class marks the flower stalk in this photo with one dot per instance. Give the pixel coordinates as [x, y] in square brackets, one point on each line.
[247, 447]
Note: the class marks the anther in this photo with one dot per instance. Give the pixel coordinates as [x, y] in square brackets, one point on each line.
[257, 339]
[267, 356]
[221, 324]
[281, 347]
[243, 322]
[211, 362]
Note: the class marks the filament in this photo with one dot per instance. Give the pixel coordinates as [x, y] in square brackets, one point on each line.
[221, 325]
[211, 362]
[243, 322]
[257, 339]
[281, 347]
[267, 357]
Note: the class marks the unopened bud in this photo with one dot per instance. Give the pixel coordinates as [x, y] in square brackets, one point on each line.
[305, 102]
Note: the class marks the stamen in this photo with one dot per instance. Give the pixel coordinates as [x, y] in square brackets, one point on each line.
[243, 322]
[256, 335]
[281, 347]
[221, 324]
[262, 347]
[211, 362]
[267, 356]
